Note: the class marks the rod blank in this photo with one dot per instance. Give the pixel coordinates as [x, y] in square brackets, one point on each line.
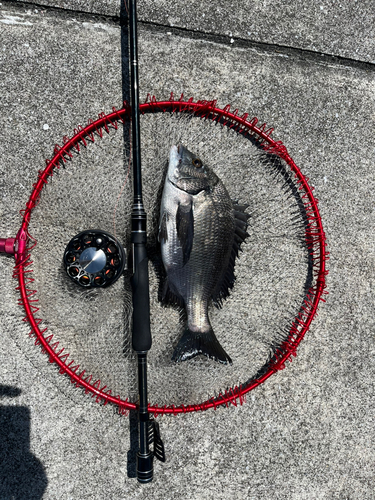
[141, 335]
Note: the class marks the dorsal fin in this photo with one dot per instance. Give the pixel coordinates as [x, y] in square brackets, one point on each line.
[240, 234]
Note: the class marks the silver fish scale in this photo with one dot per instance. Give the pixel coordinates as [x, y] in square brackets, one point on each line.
[212, 245]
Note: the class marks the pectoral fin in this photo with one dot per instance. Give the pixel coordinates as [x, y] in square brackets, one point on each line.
[185, 229]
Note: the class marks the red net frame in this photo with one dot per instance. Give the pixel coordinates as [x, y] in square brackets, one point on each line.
[314, 237]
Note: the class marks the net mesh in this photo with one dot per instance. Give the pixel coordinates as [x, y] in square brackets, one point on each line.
[274, 271]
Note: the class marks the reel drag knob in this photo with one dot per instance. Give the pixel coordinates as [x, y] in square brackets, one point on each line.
[94, 258]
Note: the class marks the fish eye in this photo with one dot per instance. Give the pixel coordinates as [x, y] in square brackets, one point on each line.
[197, 163]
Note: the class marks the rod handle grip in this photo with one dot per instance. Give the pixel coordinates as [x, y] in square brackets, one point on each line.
[141, 338]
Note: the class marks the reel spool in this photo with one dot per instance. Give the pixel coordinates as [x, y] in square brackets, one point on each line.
[94, 259]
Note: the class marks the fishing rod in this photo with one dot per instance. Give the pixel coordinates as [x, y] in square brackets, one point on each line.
[21, 246]
[141, 334]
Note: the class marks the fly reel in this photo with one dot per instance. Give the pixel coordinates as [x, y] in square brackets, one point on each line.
[94, 258]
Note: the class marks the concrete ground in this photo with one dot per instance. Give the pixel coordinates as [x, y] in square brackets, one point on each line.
[307, 69]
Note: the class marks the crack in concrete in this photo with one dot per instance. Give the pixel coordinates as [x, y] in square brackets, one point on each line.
[62, 12]
[269, 48]
[305, 55]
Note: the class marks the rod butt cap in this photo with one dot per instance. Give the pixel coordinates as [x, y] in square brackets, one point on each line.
[145, 470]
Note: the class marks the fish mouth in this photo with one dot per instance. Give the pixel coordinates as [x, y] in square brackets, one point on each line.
[175, 159]
[181, 150]
[174, 156]
[176, 153]
[184, 182]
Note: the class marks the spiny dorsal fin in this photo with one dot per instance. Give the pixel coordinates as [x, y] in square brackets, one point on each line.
[240, 235]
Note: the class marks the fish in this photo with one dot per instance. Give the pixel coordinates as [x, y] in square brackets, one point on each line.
[200, 234]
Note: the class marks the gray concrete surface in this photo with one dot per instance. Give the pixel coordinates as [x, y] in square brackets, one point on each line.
[308, 433]
[343, 29]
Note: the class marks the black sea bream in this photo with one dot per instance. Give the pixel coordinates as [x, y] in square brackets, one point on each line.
[200, 232]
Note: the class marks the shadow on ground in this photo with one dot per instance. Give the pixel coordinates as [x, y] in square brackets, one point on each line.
[22, 475]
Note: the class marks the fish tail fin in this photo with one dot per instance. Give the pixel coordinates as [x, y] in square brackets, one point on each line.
[193, 343]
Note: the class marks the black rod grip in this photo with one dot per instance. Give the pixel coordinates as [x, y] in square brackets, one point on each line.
[141, 338]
